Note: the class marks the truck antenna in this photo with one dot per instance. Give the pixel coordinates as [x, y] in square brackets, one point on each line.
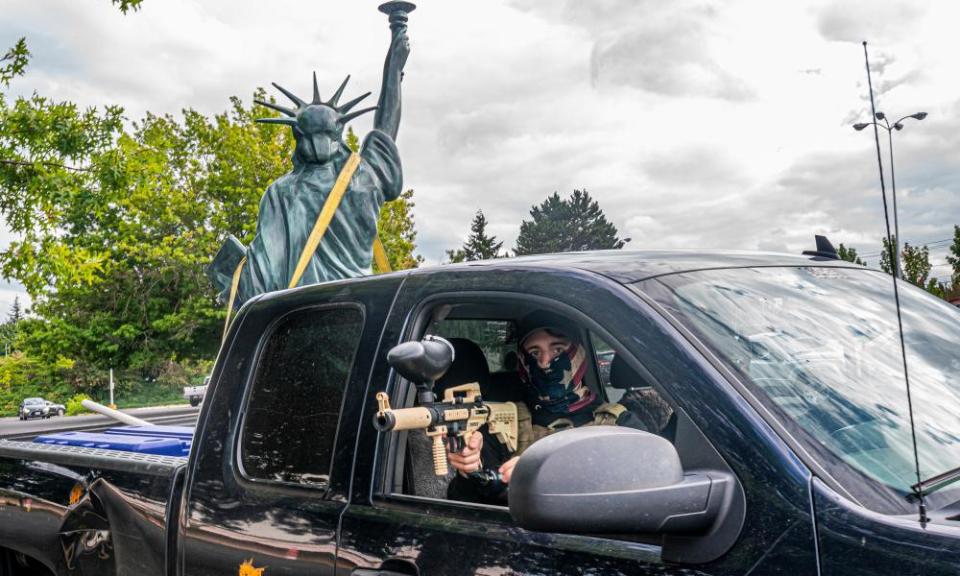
[918, 488]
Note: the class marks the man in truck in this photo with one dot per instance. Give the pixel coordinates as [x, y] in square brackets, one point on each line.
[552, 364]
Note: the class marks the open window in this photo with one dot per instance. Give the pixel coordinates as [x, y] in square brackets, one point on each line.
[484, 334]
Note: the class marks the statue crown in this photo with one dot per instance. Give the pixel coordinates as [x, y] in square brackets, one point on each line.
[343, 113]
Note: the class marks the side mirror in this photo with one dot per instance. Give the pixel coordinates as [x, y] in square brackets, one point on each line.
[423, 362]
[606, 479]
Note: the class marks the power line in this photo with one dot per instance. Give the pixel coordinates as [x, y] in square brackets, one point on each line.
[927, 244]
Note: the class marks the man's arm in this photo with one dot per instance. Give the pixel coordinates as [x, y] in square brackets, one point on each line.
[387, 118]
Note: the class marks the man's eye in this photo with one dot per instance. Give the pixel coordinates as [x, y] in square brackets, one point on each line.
[534, 353]
[558, 350]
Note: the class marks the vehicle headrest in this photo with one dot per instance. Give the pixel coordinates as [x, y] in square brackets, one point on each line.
[624, 377]
[469, 365]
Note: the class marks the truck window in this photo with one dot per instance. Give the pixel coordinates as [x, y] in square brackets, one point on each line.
[294, 404]
[486, 353]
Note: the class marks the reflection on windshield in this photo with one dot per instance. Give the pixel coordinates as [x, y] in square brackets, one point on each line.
[823, 345]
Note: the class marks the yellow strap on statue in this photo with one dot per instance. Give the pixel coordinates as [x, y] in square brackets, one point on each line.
[325, 217]
[380, 255]
[313, 241]
[234, 284]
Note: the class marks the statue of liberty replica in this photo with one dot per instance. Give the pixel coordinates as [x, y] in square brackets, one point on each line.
[318, 222]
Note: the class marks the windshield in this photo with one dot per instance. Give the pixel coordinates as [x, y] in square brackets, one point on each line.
[821, 344]
[33, 401]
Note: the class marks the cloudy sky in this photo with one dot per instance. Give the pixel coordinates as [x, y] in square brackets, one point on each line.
[716, 124]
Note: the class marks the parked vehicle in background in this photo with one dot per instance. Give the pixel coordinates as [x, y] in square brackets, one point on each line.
[195, 394]
[38, 407]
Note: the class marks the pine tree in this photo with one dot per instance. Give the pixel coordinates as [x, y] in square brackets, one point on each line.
[850, 255]
[16, 313]
[566, 225]
[478, 246]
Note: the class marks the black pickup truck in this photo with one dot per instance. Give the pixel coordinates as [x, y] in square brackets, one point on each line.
[791, 451]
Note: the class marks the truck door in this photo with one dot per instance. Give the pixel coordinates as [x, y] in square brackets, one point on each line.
[269, 471]
[399, 525]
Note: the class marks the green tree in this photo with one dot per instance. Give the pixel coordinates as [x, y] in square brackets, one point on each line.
[478, 245]
[565, 225]
[953, 258]
[116, 225]
[398, 232]
[885, 264]
[14, 62]
[9, 329]
[395, 226]
[916, 264]
[127, 5]
[914, 261]
[850, 255]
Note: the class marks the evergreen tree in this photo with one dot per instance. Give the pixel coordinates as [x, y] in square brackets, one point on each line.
[16, 313]
[478, 246]
[850, 255]
[566, 225]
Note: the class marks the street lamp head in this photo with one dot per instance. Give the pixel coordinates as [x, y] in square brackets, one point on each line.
[860, 126]
[919, 115]
[880, 116]
[898, 126]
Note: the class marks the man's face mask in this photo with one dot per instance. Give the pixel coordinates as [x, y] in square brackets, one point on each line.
[558, 386]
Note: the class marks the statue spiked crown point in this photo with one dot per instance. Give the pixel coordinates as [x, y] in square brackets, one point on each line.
[343, 111]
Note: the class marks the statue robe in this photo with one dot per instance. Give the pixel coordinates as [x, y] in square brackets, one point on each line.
[289, 210]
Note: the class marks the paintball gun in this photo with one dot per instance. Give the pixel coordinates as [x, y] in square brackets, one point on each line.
[450, 422]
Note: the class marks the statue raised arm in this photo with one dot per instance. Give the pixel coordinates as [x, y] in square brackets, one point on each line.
[387, 118]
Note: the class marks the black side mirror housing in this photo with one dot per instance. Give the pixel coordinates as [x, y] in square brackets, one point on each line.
[615, 480]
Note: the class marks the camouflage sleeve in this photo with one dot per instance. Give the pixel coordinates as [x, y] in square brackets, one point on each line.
[383, 160]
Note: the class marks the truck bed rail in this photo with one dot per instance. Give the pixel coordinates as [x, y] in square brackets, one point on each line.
[149, 464]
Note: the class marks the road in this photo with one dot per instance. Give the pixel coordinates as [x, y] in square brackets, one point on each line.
[13, 428]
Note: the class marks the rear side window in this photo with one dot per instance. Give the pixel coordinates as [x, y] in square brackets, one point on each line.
[294, 406]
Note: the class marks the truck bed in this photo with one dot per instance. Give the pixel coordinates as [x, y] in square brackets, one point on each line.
[99, 511]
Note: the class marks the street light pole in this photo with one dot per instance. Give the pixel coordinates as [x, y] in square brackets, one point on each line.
[898, 125]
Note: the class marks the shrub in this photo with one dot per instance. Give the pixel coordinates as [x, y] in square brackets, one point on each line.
[74, 405]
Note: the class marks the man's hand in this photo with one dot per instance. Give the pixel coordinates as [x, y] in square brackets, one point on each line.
[468, 459]
[507, 469]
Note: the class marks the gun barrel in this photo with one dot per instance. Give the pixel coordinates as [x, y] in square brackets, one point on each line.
[403, 419]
